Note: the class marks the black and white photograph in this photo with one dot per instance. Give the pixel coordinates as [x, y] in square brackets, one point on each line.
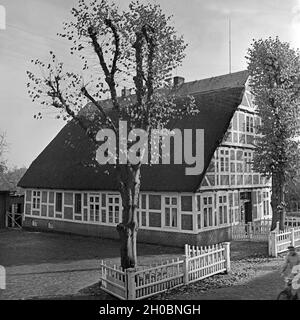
[149, 154]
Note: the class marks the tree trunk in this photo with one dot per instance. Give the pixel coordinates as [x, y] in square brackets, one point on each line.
[278, 201]
[127, 229]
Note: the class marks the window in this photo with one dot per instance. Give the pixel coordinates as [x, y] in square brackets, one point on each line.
[154, 202]
[186, 203]
[249, 124]
[113, 209]
[171, 212]
[223, 219]
[36, 200]
[77, 203]
[199, 221]
[58, 202]
[224, 160]
[247, 161]
[266, 203]
[142, 210]
[207, 211]
[78, 207]
[94, 208]
[198, 203]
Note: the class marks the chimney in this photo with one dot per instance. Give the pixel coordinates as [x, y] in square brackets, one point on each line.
[178, 81]
[125, 92]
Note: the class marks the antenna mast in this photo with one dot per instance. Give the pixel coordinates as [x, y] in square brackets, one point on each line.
[229, 27]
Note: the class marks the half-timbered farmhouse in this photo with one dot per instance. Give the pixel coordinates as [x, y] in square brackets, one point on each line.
[65, 192]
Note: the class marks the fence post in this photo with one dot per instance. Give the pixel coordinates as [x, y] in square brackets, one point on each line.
[186, 249]
[277, 226]
[273, 244]
[270, 244]
[293, 237]
[249, 230]
[185, 269]
[130, 283]
[227, 256]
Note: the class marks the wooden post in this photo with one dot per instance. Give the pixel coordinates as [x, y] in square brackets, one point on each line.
[273, 241]
[186, 249]
[249, 230]
[227, 256]
[293, 237]
[185, 269]
[277, 226]
[130, 284]
[270, 244]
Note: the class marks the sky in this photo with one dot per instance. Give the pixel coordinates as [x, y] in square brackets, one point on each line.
[30, 32]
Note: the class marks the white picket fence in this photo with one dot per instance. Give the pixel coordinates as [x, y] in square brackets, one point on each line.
[204, 262]
[113, 280]
[140, 283]
[292, 221]
[255, 231]
[279, 241]
[157, 279]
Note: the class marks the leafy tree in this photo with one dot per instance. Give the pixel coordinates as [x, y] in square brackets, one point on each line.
[13, 176]
[274, 69]
[138, 48]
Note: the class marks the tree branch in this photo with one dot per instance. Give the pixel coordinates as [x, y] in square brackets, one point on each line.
[109, 76]
[100, 108]
[138, 78]
[63, 104]
[117, 46]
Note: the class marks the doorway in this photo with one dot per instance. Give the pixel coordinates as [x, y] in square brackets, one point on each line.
[246, 207]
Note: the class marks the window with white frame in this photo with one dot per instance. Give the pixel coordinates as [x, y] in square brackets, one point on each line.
[143, 210]
[266, 203]
[78, 206]
[171, 212]
[58, 205]
[198, 206]
[222, 205]
[94, 208]
[103, 209]
[247, 161]
[85, 207]
[113, 208]
[58, 201]
[207, 211]
[155, 210]
[224, 160]
[249, 124]
[36, 200]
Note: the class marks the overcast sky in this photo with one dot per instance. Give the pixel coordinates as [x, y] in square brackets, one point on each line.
[31, 27]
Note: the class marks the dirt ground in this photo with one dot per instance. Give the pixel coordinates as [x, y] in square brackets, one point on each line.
[61, 266]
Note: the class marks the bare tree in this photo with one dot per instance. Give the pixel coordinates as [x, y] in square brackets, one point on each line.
[137, 48]
[3, 150]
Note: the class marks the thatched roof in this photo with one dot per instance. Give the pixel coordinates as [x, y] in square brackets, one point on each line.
[66, 163]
